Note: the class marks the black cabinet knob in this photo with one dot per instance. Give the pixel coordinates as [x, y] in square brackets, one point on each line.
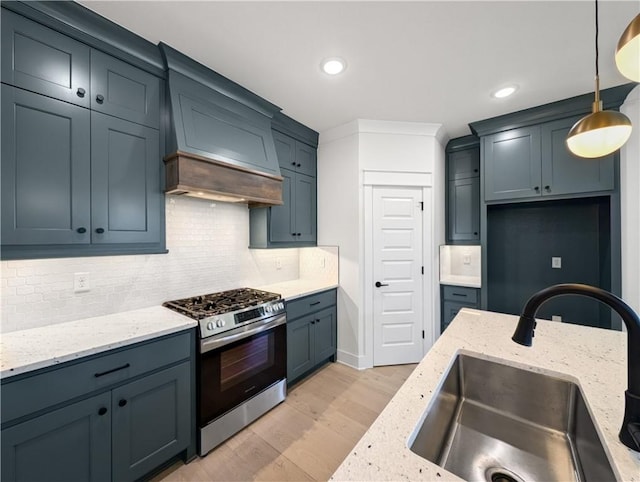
[536, 188]
[293, 163]
[475, 233]
[99, 98]
[298, 165]
[475, 170]
[547, 188]
[81, 230]
[100, 230]
[378, 284]
[122, 403]
[102, 411]
[298, 234]
[80, 92]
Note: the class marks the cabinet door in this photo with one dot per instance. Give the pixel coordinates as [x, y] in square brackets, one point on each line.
[45, 170]
[449, 311]
[564, 173]
[69, 444]
[281, 221]
[41, 60]
[305, 203]
[512, 164]
[300, 347]
[305, 159]
[464, 164]
[324, 333]
[125, 181]
[464, 210]
[285, 150]
[151, 421]
[124, 91]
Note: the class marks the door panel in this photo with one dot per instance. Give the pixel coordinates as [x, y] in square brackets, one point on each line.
[305, 208]
[282, 221]
[306, 159]
[324, 332]
[300, 347]
[397, 245]
[464, 209]
[45, 170]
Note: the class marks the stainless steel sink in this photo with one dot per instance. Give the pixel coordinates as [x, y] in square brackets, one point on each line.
[497, 423]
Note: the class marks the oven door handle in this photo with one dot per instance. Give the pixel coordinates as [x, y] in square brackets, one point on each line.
[208, 345]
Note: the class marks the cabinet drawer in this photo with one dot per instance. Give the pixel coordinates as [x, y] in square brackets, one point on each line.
[461, 295]
[310, 304]
[37, 392]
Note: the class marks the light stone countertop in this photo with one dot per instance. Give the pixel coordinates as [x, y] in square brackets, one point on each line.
[591, 357]
[467, 281]
[290, 290]
[27, 350]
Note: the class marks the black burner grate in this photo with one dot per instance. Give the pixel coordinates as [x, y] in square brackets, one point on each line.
[203, 306]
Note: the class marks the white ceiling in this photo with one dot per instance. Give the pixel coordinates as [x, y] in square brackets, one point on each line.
[421, 61]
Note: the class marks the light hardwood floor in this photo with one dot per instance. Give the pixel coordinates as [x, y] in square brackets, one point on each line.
[307, 436]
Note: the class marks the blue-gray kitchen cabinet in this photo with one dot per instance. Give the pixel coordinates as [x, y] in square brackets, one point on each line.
[115, 416]
[311, 333]
[39, 59]
[454, 298]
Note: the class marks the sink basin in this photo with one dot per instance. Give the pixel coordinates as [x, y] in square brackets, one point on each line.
[492, 422]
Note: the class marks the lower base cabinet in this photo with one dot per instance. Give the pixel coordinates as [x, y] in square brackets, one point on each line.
[311, 334]
[120, 434]
[454, 298]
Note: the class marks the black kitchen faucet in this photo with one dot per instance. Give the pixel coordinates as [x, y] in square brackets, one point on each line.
[630, 431]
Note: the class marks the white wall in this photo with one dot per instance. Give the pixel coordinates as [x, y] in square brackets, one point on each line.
[630, 203]
[208, 252]
[344, 154]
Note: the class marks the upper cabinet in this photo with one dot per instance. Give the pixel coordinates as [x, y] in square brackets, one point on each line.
[524, 154]
[81, 159]
[463, 190]
[294, 222]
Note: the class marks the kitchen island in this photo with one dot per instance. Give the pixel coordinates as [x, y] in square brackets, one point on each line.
[595, 359]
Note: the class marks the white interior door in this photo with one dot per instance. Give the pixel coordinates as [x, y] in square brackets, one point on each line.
[397, 274]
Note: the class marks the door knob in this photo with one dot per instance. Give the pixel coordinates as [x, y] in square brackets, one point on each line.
[378, 284]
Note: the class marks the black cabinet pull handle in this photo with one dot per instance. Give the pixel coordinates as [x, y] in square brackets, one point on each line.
[80, 92]
[81, 230]
[122, 403]
[99, 98]
[101, 374]
[378, 284]
[314, 303]
[100, 230]
[102, 411]
[459, 294]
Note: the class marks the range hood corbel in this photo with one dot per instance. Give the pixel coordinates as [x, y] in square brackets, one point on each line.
[219, 144]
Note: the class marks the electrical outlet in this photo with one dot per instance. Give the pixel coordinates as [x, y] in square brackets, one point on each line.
[466, 259]
[323, 262]
[556, 318]
[81, 283]
[556, 262]
[278, 263]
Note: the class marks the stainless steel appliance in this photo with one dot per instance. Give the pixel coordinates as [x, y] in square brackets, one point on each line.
[241, 365]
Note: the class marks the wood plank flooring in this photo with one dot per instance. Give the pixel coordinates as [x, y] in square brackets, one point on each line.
[304, 438]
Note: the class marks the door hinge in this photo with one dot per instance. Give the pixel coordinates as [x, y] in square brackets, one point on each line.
[421, 205]
[423, 334]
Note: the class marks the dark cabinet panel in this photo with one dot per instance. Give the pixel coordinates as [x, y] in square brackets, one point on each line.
[512, 164]
[324, 334]
[285, 149]
[42, 60]
[281, 228]
[464, 210]
[69, 444]
[306, 159]
[305, 209]
[300, 348]
[564, 173]
[463, 164]
[45, 170]
[125, 175]
[150, 421]
[124, 91]
[454, 298]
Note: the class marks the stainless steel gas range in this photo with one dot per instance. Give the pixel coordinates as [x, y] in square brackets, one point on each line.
[241, 365]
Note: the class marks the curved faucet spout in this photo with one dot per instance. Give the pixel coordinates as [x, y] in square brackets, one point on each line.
[630, 431]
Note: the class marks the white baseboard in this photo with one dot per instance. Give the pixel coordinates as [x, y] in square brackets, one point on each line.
[354, 361]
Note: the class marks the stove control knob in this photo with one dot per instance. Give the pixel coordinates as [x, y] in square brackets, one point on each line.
[268, 309]
[210, 326]
[219, 323]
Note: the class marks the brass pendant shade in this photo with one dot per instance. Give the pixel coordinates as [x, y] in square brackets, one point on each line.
[628, 51]
[603, 131]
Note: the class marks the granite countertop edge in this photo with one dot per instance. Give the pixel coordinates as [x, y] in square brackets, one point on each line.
[593, 358]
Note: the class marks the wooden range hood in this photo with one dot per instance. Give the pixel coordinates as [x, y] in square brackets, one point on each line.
[201, 177]
[219, 140]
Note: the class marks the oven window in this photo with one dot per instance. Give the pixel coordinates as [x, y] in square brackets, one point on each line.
[245, 360]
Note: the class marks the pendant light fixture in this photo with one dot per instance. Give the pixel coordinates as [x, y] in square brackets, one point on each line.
[628, 51]
[601, 132]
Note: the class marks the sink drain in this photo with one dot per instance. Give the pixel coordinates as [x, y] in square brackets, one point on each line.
[500, 474]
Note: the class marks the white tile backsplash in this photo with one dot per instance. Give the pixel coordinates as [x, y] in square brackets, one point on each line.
[207, 243]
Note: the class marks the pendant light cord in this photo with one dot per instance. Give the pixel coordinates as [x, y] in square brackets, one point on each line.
[597, 30]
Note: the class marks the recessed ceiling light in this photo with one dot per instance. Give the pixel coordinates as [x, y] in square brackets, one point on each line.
[333, 66]
[504, 92]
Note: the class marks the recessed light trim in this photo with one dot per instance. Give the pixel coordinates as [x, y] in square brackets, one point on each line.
[333, 66]
[504, 91]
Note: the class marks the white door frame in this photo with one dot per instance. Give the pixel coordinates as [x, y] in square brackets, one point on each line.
[431, 308]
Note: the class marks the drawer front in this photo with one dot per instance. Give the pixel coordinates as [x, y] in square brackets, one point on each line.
[461, 294]
[310, 304]
[449, 311]
[28, 395]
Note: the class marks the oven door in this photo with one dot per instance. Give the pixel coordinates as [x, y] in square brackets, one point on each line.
[239, 365]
